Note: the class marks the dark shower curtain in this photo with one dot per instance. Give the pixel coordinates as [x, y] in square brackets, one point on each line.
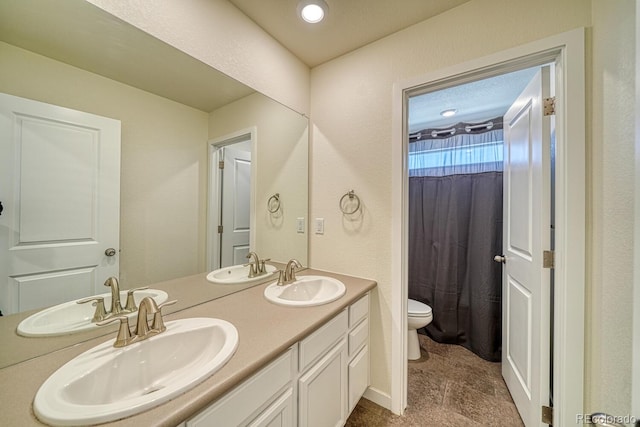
[455, 230]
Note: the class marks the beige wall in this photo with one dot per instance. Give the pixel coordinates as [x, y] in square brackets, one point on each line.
[351, 130]
[218, 34]
[163, 167]
[281, 161]
[610, 172]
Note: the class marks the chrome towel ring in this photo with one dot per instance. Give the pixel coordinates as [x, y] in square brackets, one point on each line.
[351, 195]
[273, 204]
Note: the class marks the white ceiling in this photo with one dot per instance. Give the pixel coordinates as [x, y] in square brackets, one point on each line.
[77, 33]
[475, 101]
[348, 25]
[351, 24]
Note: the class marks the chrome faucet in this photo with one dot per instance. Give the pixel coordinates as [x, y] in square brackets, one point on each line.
[288, 275]
[143, 331]
[116, 306]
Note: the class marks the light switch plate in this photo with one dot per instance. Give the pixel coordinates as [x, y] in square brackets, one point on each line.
[319, 226]
[300, 225]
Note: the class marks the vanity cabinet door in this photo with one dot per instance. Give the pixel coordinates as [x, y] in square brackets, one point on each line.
[322, 390]
[358, 377]
[279, 414]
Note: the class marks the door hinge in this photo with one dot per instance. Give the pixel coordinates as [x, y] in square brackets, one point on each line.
[221, 164]
[549, 108]
[547, 415]
[220, 229]
[548, 259]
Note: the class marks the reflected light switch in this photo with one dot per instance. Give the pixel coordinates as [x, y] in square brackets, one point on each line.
[300, 225]
[319, 226]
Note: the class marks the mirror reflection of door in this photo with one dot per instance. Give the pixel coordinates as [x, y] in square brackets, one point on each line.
[60, 227]
[235, 202]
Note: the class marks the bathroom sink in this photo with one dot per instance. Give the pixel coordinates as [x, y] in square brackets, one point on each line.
[70, 317]
[306, 291]
[107, 383]
[238, 274]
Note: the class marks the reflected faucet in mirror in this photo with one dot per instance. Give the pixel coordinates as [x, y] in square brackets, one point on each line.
[116, 307]
[257, 267]
[143, 330]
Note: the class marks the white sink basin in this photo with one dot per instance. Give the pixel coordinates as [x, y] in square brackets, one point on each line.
[70, 317]
[107, 383]
[238, 274]
[306, 291]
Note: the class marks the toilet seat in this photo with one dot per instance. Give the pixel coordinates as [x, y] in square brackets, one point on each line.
[418, 309]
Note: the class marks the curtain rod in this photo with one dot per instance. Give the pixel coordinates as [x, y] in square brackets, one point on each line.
[458, 127]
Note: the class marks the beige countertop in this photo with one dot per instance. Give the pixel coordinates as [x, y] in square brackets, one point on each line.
[265, 331]
[190, 291]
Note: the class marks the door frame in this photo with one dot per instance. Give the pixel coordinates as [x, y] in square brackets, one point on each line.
[213, 195]
[568, 50]
[635, 380]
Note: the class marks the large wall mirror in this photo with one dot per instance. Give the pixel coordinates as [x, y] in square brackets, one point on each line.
[176, 116]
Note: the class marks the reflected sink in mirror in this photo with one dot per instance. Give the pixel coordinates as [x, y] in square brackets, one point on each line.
[107, 383]
[238, 274]
[71, 317]
[306, 291]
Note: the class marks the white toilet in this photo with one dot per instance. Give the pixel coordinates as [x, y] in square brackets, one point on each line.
[420, 315]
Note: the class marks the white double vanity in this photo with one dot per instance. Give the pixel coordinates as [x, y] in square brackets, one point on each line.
[316, 382]
[293, 366]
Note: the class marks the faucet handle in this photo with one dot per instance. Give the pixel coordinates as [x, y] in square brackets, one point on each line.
[124, 333]
[131, 302]
[281, 275]
[261, 266]
[100, 312]
[158, 323]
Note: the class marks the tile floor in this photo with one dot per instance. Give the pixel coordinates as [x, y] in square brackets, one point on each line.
[448, 386]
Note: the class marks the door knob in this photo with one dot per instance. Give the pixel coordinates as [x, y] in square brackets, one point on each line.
[500, 258]
[110, 252]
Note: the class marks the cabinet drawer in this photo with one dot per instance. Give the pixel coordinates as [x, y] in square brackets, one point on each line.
[236, 406]
[358, 310]
[358, 377]
[358, 337]
[321, 340]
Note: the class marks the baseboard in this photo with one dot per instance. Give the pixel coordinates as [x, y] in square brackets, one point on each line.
[378, 397]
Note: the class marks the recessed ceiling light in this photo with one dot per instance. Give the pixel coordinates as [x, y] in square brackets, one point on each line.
[312, 11]
[449, 113]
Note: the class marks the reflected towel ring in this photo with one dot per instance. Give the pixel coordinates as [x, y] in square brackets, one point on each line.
[352, 196]
[273, 204]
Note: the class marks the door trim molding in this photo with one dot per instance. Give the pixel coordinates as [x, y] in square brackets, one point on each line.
[213, 196]
[635, 381]
[568, 51]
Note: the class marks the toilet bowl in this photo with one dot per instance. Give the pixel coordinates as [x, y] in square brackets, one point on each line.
[419, 316]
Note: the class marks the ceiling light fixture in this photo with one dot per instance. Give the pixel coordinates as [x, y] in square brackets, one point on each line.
[449, 113]
[312, 11]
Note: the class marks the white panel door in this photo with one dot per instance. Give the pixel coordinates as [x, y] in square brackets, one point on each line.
[525, 294]
[60, 189]
[236, 206]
